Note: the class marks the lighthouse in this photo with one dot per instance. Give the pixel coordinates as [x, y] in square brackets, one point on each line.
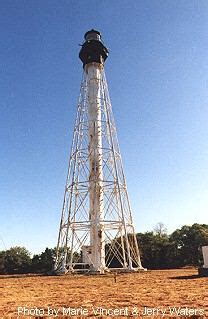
[96, 232]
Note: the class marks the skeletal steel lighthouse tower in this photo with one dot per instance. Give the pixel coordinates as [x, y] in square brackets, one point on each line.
[96, 230]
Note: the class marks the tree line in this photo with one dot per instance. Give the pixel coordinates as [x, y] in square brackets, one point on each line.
[179, 249]
[158, 251]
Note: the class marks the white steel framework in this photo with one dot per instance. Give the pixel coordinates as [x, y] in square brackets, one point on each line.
[96, 230]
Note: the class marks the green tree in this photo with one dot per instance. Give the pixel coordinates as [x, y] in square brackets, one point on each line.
[187, 243]
[44, 262]
[153, 248]
[2, 262]
[16, 260]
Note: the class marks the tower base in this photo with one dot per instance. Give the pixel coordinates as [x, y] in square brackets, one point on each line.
[86, 269]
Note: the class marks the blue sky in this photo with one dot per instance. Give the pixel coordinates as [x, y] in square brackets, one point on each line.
[157, 73]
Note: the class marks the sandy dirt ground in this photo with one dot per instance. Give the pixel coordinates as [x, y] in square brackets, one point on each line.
[151, 294]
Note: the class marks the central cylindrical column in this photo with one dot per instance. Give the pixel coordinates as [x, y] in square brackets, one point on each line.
[93, 55]
[97, 242]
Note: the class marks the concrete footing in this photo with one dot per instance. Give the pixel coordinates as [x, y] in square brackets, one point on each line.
[203, 271]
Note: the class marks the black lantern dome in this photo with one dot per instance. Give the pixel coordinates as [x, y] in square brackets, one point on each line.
[93, 50]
